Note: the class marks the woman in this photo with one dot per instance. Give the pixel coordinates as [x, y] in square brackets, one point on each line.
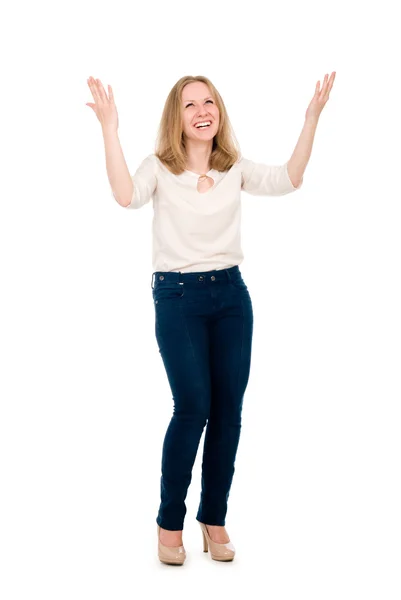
[203, 308]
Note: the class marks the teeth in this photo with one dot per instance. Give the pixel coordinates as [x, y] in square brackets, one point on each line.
[204, 123]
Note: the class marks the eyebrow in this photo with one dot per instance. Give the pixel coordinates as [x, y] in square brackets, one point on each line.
[194, 100]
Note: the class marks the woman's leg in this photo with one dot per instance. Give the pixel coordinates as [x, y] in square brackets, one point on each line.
[184, 347]
[230, 361]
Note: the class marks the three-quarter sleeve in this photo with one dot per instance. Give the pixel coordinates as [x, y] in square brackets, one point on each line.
[260, 179]
[145, 183]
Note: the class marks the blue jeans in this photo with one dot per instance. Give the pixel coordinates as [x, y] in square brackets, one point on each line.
[203, 326]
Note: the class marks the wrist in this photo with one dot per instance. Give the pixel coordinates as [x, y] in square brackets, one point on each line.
[109, 130]
[312, 120]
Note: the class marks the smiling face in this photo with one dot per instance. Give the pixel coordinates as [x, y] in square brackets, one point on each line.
[198, 105]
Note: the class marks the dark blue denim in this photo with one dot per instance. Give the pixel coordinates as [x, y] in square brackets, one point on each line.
[204, 327]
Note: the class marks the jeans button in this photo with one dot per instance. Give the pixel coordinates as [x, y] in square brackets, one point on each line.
[213, 278]
[161, 277]
[200, 278]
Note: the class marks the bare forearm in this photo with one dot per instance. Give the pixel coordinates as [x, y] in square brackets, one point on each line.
[300, 157]
[117, 170]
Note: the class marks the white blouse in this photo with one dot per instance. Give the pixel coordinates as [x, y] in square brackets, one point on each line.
[200, 231]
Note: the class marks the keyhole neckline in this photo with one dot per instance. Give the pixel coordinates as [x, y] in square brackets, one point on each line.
[199, 174]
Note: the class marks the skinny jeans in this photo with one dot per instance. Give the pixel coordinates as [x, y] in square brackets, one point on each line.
[203, 328]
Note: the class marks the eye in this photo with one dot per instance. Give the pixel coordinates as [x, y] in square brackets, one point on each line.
[190, 104]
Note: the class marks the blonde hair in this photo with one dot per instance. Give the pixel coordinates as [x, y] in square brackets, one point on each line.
[170, 144]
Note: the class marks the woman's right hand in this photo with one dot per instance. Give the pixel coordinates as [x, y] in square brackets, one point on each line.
[104, 107]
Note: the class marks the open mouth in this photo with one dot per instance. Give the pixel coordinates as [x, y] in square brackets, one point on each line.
[202, 126]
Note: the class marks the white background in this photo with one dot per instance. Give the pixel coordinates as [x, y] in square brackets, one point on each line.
[85, 401]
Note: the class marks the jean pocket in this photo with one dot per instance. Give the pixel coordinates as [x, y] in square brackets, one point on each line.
[167, 291]
[239, 284]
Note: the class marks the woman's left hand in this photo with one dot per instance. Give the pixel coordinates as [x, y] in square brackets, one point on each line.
[320, 98]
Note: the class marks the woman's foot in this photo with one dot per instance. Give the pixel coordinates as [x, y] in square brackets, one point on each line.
[218, 534]
[170, 538]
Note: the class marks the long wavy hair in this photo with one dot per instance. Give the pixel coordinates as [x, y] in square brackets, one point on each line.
[170, 144]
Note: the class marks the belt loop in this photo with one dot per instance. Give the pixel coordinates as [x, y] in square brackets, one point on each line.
[228, 274]
[151, 283]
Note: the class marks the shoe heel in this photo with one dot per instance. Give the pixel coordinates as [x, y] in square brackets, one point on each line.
[205, 545]
[224, 552]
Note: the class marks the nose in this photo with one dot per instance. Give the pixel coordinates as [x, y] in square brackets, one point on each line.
[202, 113]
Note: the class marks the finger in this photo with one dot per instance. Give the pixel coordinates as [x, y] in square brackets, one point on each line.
[111, 95]
[324, 85]
[93, 88]
[330, 85]
[101, 91]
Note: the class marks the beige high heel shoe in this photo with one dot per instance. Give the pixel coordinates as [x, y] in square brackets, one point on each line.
[223, 552]
[170, 555]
